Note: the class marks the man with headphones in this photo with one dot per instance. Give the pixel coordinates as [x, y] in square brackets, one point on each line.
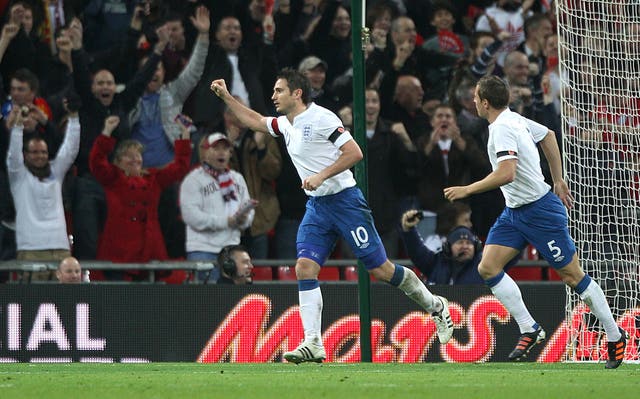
[235, 265]
[458, 261]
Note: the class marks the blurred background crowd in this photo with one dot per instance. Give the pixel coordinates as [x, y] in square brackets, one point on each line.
[139, 73]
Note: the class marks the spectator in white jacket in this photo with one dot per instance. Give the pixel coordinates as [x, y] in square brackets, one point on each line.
[215, 203]
[36, 186]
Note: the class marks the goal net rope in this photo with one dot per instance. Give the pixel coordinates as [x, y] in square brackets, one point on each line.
[599, 46]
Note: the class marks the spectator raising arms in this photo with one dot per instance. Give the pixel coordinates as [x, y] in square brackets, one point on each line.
[132, 230]
[36, 185]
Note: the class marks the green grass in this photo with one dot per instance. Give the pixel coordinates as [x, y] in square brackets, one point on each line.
[329, 380]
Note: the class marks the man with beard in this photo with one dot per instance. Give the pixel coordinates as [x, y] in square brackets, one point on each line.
[235, 265]
[36, 185]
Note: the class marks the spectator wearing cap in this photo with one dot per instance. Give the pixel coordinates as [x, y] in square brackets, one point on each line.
[132, 228]
[215, 203]
[458, 261]
[315, 70]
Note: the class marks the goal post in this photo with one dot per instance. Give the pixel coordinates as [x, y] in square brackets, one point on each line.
[599, 46]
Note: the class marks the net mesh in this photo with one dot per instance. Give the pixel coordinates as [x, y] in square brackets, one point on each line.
[599, 46]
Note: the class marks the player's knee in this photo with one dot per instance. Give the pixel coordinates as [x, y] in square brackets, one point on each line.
[384, 272]
[486, 272]
[307, 269]
[571, 273]
[571, 277]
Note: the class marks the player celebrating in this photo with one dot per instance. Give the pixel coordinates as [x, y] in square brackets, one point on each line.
[532, 214]
[322, 152]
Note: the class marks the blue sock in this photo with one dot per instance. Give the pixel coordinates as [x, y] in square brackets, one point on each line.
[494, 280]
[398, 275]
[306, 285]
[583, 284]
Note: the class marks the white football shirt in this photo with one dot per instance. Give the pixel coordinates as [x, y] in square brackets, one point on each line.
[313, 142]
[512, 136]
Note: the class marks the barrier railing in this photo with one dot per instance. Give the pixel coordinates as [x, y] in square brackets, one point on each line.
[24, 269]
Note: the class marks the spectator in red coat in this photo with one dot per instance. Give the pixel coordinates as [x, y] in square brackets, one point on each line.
[132, 230]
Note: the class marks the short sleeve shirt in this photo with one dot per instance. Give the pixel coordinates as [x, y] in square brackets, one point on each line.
[512, 136]
[313, 142]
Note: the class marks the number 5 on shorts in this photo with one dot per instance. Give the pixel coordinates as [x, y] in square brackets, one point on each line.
[555, 250]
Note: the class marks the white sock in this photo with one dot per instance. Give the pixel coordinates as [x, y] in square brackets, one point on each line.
[509, 294]
[416, 290]
[311, 314]
[594, 297]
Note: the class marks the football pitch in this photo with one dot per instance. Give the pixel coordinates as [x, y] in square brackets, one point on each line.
[328, 380]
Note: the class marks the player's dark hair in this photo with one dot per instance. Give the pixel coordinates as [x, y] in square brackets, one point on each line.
[296, 80]
[495, 90]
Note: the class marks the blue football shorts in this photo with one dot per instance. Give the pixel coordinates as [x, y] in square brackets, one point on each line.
[542, 223]
[344, 214]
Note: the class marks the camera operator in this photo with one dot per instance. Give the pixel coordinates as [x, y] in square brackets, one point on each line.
[458, 261]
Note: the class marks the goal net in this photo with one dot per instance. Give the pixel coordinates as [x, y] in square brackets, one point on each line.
[599, 46]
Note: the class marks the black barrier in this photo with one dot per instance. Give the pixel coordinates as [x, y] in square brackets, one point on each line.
[211, 323]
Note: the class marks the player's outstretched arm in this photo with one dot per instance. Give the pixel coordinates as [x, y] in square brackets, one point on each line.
[504, 174]
[246, 115]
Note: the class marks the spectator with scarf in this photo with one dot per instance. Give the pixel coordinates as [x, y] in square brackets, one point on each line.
[215, 203]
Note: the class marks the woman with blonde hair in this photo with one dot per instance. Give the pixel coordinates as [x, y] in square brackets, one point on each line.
[132, 230]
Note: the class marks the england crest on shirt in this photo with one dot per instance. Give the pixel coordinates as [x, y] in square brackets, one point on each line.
[306, 133]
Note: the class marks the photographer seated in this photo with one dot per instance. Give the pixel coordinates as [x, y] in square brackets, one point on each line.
[458, 261]
[235, 265]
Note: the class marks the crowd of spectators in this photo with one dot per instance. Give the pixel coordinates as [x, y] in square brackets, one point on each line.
[140, 71]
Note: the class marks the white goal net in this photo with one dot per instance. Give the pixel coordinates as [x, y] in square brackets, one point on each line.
[599, 45]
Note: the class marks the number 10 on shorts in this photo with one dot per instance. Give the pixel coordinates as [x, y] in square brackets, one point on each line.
[360, 237]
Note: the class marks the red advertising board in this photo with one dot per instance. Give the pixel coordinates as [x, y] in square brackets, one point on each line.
[139, 323]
